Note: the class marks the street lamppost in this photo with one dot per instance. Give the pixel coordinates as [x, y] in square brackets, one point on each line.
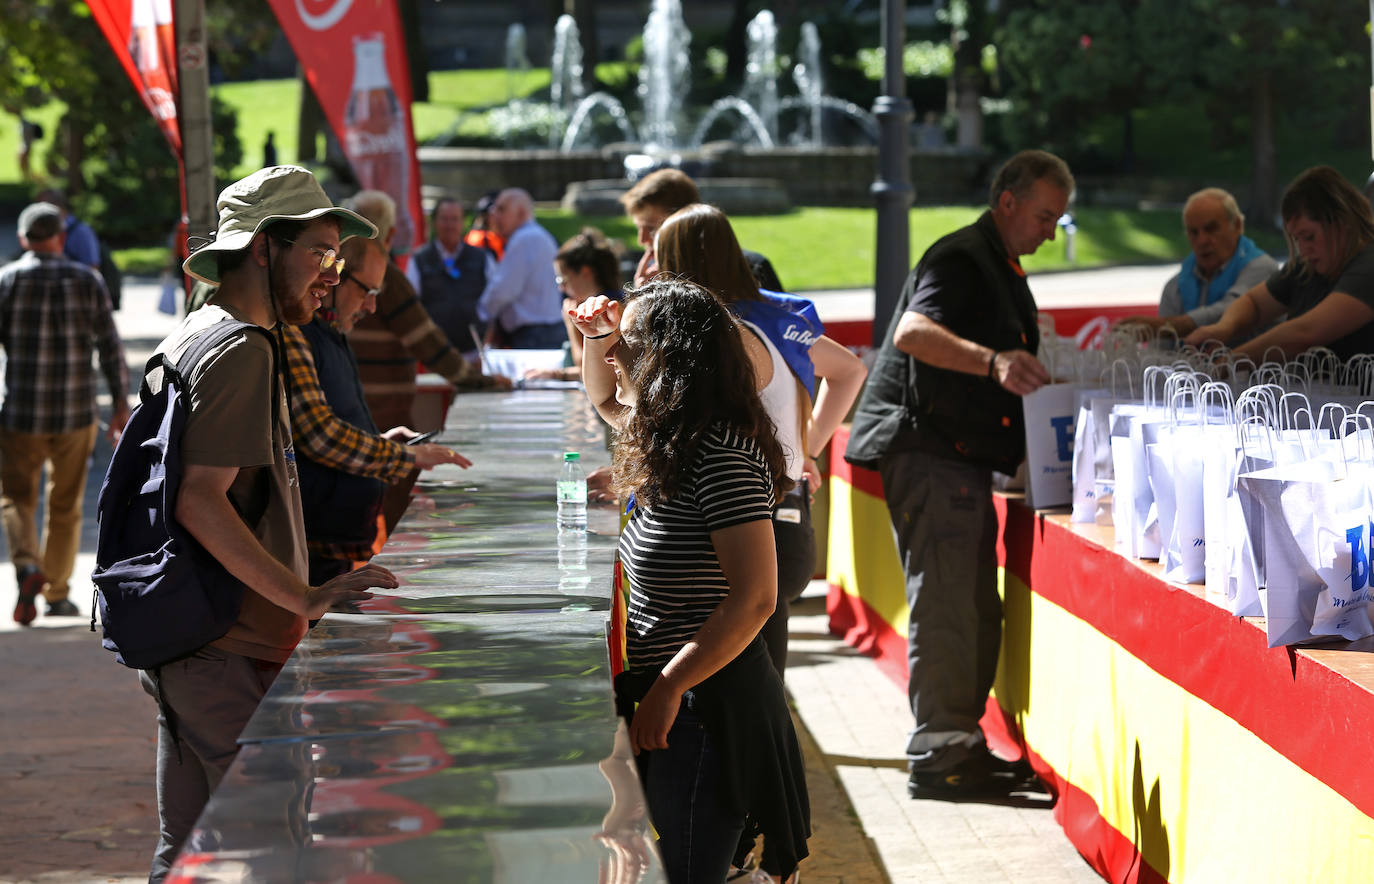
[892, 190]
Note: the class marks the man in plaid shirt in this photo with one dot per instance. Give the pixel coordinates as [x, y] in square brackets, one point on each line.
[53, 313]
[345, 464]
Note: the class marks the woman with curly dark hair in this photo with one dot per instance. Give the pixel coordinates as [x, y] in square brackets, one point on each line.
[698, 454]
[793, 361]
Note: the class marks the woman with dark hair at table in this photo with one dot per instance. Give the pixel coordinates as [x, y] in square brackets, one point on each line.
[1327, 286]
[697, 454]
[793, 359]
[586, 265]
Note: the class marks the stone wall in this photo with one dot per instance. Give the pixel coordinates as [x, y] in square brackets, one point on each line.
[827, 177]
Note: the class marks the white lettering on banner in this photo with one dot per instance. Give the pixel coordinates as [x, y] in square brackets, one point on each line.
[366, 144]
[801, 335]
[325, 20]
[160, 102]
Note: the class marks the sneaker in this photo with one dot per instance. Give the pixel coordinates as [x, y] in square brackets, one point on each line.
[63, 608]
[31, 583]
[983, 774]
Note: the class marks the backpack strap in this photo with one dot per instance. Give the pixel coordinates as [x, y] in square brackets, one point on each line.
[161, 367]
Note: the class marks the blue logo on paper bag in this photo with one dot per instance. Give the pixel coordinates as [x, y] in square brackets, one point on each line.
[1063, 435]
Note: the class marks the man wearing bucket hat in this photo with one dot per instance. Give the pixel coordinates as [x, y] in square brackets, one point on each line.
[274, 256]
[53, 312]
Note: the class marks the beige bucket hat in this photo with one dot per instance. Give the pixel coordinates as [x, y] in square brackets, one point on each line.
[277, 193]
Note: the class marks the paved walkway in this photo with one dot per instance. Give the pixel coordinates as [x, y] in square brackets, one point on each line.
[77, 742]
[858, 719]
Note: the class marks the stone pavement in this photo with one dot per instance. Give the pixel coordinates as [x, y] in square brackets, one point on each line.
[858, 720]
[77, 741]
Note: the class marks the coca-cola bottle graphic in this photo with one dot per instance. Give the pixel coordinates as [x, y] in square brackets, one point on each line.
[375, 135]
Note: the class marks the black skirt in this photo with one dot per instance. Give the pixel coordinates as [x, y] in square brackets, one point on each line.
[746, 713]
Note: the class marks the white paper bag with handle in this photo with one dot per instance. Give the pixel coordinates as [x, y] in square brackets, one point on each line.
[1085, 501]
[1213, 426]
[1049, 415]
[1316, 550]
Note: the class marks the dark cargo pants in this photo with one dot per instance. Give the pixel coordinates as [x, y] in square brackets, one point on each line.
[211, 695]
[946, 533]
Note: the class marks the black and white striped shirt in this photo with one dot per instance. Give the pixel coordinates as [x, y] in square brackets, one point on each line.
[666, 550]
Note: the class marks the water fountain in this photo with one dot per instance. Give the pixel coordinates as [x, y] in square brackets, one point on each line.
[666, 74]
[807, 75]
[565, 67]
[517, 60]
[759, 144]
[761, 70]
[665, 79]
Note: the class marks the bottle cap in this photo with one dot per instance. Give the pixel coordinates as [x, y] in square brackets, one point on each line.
[571, 455]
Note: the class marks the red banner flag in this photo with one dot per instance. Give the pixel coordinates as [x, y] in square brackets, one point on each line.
[353, 56]
[140, 33]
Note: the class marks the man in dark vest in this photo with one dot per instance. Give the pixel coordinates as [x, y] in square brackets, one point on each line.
[940, 412]
[345, 464]
[449, 275]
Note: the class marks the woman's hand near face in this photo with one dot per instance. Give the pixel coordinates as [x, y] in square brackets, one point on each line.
[596, 316]
[596, 319]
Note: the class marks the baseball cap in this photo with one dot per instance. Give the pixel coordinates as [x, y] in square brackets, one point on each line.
[40, 221]
[277, 193]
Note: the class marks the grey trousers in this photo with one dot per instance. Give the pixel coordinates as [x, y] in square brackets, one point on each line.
[946, 532]
[211, 695]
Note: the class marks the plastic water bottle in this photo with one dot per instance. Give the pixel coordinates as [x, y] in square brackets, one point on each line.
[572, 494]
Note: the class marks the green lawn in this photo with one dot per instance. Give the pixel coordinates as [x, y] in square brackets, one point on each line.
[821, 248]
[824, 248]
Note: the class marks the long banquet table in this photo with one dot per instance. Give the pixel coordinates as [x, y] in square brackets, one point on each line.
[460, 727]
[1180, 746]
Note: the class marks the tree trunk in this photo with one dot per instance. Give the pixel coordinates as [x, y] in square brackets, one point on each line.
[737, 45]
[1264, 196]
[1127, 141]
[968, 105]
[967, 80]
[74, 153]
[584, 13]
[415, 49]
[309, 122]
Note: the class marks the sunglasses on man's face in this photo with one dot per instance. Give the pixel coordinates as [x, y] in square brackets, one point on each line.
[328, 258]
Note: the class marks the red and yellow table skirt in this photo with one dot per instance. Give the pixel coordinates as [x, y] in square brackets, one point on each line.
[1181, 748]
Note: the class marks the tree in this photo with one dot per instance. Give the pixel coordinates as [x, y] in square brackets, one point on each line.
[415, 50]
[54, 49]
[117, 169]
[1068, 63]
[1310, 58]
[971, 25]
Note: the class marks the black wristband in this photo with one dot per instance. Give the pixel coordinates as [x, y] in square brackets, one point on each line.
[992, 363]
[599, 337]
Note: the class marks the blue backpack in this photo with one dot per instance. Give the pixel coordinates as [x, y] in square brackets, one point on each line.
[160, 594]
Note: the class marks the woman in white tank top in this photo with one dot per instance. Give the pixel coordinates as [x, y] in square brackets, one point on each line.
[791, 357]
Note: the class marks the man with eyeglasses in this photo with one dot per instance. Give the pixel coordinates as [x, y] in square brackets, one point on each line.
[274, 257]
[345, 464]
